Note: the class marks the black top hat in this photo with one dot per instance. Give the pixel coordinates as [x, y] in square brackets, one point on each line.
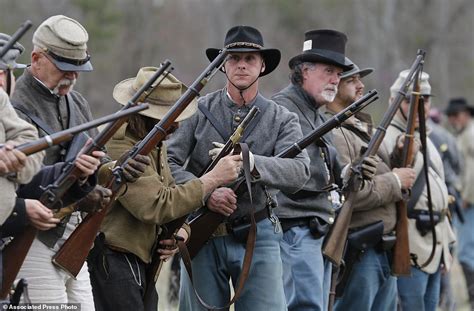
[248, 39]
[457, 105]
[323, 46]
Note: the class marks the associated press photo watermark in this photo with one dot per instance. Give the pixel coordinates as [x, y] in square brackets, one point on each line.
[44, 306]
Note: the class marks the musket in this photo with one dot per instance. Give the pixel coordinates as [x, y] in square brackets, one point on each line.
[15, 252]
[54, 192]
[205, 222]
[60, 137]
[74, 251]
[170, 229]
[15, 37]
[335, 241]
[401, 251]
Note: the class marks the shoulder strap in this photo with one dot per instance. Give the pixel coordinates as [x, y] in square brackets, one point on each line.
[37, 121]
[216, 124]
[220, 129]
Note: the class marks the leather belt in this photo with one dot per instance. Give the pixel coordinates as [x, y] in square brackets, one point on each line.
[288, 223]
[225, 228]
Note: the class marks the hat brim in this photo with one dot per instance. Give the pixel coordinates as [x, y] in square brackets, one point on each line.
[454, 110]
[362, 73]
[64, 66]
[317, 58]
[270, 56]
[123, 92]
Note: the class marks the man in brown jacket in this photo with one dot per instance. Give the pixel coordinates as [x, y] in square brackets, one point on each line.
[368, 283]
[130, 229]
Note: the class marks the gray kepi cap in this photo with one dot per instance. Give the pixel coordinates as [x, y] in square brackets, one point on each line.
[65, 41]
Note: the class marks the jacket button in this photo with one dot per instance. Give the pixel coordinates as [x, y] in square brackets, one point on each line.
[237, 118]
[331, 220]
[14, 214]
[162, 178]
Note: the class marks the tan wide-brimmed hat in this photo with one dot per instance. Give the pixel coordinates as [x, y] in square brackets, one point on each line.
[161, 99]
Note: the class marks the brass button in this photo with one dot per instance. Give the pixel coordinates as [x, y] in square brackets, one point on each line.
[162, 178]
[162, 165]
[331, 220]
[14, 214]
[237, 118]
[329, 198]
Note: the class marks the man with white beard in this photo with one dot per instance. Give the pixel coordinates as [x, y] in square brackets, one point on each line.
[44, 97]
[306, 215]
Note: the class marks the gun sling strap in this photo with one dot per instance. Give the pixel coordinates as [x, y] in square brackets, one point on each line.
[249, 248]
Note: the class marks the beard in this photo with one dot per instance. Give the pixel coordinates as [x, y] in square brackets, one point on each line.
[64, 82]
[329, 93]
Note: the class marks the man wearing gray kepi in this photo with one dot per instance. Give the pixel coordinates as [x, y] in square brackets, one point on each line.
[306, 215]
[421, 290]
[44, 97]
[274, 130]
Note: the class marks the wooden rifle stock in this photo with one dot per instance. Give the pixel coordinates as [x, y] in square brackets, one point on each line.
[74, 251]
[401, 265]
[15, 37]
[15, 252]
[47, 141]
[335, 241]
[171, 228]
[206, 222]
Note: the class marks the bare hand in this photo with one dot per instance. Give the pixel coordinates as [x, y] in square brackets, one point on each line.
[406, 175]
[169, 247]
[222, 201]
[39, 215]
[11, 160]
[89, 164]
[416, 145]
[227, 169]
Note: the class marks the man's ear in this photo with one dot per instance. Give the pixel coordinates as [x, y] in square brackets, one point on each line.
[263, 67]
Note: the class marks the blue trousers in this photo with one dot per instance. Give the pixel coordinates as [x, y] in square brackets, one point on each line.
[221, 259]
[465, 238]
[420, 291]
[370, 285]
[306, 275]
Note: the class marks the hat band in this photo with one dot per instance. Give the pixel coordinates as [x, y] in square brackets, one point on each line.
[76, 62]
[327, 54]
[245, 44]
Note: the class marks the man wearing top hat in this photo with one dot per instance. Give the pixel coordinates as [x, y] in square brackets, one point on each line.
[460, 118]
[273, 130]
[420, 290]
[367, 283]
[44, 97]
[306, 215]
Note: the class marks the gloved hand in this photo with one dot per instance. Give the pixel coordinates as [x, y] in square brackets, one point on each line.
[369, 167]
[135, 168]
[251, 160]
[95, 200]
[214, 152]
